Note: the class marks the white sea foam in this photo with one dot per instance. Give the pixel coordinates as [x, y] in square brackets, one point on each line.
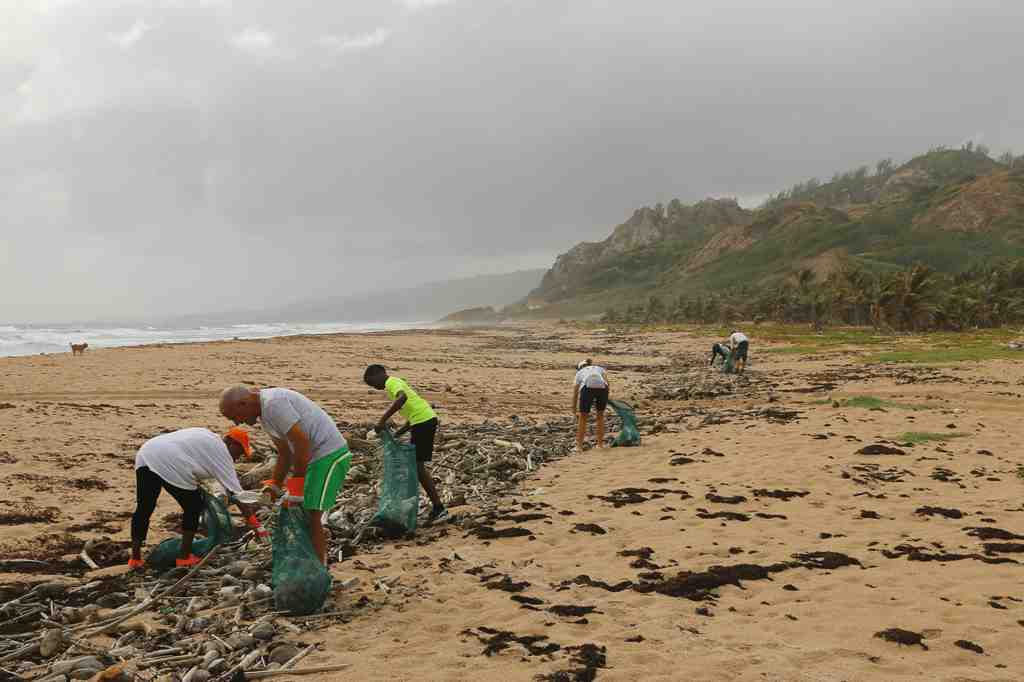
[35, 339]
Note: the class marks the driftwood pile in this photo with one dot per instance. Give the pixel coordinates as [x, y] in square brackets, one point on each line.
[211, 622]
[216, 622]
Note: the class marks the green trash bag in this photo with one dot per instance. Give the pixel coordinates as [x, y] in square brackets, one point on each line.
[300, 580]
[218, 531]
[400, 489]
[728, 366]
[629, 435]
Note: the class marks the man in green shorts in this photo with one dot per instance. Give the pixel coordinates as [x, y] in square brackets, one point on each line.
[420, 419]
[308, 444]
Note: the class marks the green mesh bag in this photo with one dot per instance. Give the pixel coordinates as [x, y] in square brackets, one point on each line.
[300, 580]
[400, 489]
[629, 435]
[218, 530]
[728, 366]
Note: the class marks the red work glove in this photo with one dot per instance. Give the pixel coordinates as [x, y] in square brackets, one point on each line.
[254, 523]
[296, 485]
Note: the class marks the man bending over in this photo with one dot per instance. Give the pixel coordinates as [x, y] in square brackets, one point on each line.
[309, 445]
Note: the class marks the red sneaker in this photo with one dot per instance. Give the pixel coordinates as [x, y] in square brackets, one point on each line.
[135, 564]
[191, 561]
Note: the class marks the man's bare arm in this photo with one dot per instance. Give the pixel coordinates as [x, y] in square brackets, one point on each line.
[284, 461]
[301, 450]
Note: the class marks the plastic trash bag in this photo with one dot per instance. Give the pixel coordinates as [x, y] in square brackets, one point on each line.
[400, 489]
[629, 434]
[729, 365]
[219, 530]
[300, 581]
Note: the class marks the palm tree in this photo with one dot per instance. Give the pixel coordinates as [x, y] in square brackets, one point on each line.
[915, 301]
[804, 282]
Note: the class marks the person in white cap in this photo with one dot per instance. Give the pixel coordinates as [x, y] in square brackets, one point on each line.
[590, 389]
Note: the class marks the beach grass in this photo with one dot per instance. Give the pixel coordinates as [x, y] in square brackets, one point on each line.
[918, 437]
[945, 356]
[870, 402]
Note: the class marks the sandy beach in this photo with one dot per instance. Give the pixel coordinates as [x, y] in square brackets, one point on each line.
[828, 523]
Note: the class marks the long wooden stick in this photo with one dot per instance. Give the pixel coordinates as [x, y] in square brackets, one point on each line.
[246, 661]
[155, 598]
[26, 650]
[298, 657]
[263, 674]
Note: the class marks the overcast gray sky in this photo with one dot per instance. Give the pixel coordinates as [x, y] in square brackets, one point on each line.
[179, 156]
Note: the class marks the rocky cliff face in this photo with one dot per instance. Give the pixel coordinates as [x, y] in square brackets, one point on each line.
[648, 227]
[995, 201]
[923, 210]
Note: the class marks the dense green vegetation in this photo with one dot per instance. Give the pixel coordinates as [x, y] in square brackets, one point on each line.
[916, 298]
[936, 243]
[862, 186]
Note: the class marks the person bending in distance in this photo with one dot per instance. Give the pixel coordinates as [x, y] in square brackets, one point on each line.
[590, 389]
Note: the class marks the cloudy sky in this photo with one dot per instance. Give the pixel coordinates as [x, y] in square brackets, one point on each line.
[180, 156]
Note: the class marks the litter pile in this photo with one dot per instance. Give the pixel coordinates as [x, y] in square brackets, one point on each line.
[689, 377]
[473, 464]
[212, 622]
[226, 619]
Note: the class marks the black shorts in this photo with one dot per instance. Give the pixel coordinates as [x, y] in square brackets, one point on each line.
[589, 396]
[147, 490]
[741, 351]
[423, 438]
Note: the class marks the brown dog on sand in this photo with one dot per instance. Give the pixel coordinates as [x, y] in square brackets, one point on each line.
[77, 348]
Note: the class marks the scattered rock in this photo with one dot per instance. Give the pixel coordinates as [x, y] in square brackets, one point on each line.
[53, 643]
[113, 600]
[283, 653]
[264, 632]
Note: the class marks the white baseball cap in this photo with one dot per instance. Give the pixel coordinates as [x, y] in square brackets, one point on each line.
[581, 364]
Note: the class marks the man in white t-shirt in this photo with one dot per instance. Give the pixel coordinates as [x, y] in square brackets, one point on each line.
[308, 444]
[176, 462]
[739, 343]
[590, 389]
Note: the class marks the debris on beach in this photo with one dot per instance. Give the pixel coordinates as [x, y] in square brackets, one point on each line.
[223, 619]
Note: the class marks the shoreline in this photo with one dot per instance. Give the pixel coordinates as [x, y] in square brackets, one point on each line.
[356, 329]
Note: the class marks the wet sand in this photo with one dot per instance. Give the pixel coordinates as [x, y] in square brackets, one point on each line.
[759, 533]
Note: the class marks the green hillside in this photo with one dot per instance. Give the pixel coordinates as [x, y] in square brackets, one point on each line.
[951, 210]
